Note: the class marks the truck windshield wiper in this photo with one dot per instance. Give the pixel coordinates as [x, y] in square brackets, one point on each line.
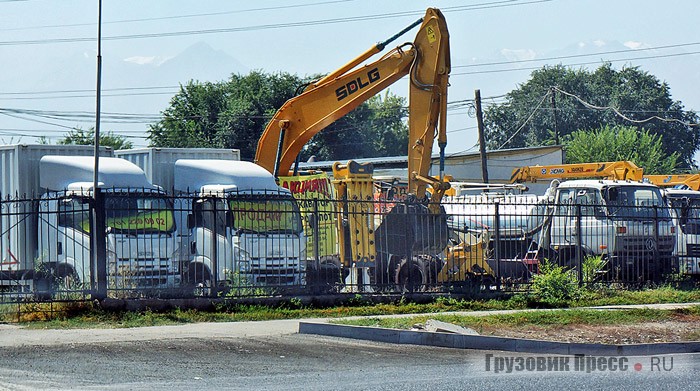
[249, 231]
[281, 231]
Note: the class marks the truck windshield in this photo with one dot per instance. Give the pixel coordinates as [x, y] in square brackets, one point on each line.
[139, 213]
[260, 215]
[626, 202]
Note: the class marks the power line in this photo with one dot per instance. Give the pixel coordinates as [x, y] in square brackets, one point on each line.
[522, 126]
[178, 16]
[619, 114]
[577, 55]
[348, 19]
[22, 95]
[578, 64]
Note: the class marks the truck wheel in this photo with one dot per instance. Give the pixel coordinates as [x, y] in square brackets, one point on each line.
[54, 279]
[198, 281]
[66, 279]
[327, 278]
[411, 275]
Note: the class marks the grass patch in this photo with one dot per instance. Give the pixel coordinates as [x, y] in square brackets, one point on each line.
[87, 315]
[543, 318]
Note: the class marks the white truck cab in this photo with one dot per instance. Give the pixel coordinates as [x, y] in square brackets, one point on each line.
[686, 207]
[625, 222]
[244, 228]
[141, 240]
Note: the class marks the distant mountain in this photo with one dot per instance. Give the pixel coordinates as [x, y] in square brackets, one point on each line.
[67, 71]
[198, 62]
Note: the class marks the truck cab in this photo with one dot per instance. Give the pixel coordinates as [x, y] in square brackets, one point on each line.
[685, 205]
[141, 230]
[243, 228]
[625, 222]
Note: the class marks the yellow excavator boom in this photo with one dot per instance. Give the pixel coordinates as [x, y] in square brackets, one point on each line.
[427, 62]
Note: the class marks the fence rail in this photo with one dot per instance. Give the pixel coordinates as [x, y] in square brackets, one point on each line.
[182, 247]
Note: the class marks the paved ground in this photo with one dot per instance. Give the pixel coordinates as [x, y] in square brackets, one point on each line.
[271, 355]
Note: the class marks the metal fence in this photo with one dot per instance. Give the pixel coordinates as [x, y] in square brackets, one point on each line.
[150, 245]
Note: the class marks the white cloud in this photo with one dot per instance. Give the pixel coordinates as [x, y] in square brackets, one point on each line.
[599, 43]
[146, 60]
[518, 54]
[582, 44]
[635, 45]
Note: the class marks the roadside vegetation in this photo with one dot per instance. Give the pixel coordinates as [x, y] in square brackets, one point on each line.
[89, 315]
[544, 318]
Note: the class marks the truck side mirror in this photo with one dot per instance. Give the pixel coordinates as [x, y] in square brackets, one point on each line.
[229, 219]
[190, 221]
[599, 212]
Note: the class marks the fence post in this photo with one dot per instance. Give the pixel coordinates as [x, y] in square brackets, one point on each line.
[659, 262]
[409, 247]
[215, 247]
[497, 243]
[316, 232]
[99, 254]
[579, 246]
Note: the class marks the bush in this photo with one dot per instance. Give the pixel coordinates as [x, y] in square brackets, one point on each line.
[554, 285]
[592, 267]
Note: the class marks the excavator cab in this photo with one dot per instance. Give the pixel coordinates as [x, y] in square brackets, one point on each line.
[410, 228]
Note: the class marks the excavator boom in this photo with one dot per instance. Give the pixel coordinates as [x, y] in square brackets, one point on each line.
[426, 60]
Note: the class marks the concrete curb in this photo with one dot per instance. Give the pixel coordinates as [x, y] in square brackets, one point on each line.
[459, 341]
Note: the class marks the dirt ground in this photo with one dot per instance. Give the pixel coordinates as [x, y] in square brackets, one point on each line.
[680, 328]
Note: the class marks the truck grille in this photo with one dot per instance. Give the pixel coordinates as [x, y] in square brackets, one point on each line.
[645, 244]
[693, 250]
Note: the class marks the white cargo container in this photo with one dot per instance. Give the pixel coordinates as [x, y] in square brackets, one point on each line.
[20, 191]
[159, 163]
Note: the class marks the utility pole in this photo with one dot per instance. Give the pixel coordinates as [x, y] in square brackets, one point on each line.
[553, 91]
[98, 239]
[98, 93]
[482, 143]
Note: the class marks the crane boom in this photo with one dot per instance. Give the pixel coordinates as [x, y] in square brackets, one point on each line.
[692, 181]
[621, 170]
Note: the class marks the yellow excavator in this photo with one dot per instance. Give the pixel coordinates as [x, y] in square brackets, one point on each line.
[620, 170]
[416, 228]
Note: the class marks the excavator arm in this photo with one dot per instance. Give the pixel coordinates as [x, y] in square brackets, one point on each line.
[621, 170]
[426, 60]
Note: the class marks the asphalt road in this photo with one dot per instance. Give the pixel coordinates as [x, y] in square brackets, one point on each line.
[270, 356]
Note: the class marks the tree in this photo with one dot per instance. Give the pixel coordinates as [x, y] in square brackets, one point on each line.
[234, 113]
[607, 144]
[373, 129]
[79, 136]
[527, 119]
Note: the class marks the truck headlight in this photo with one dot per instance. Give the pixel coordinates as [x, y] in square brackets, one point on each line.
[111, 261]
[242, 261]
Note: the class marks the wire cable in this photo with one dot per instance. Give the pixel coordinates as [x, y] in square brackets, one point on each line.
[522, 126]
[619, 114]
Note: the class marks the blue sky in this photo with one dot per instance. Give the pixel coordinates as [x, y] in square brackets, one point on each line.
[43, 42]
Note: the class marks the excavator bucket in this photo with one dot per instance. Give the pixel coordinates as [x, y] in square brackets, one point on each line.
[410, 229]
